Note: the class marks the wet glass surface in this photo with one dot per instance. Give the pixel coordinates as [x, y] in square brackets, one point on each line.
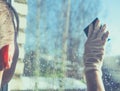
[55, 42]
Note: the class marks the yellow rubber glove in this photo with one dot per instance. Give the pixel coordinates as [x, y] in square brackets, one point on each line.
[94, 47]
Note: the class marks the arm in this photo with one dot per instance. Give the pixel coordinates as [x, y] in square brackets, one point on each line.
[1, 74]
[94, 81]
[8, 73]
[8, 44]
[93, 56]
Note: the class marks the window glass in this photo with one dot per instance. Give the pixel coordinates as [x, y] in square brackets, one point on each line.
[55, 42]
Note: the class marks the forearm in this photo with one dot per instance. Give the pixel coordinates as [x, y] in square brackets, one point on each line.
[94, 81]
[1, 74]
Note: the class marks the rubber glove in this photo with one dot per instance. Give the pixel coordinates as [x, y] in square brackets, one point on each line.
[94, 47]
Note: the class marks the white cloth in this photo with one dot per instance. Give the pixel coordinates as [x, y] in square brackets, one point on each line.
[6, 25]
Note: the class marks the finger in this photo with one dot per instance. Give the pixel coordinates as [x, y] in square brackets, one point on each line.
[103, 28]
[97, 25]
[96, 29]
[90, 30]
[105, 36]
[101, 32]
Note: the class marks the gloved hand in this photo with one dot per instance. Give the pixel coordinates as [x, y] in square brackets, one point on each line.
[6, 56]
[94, 47]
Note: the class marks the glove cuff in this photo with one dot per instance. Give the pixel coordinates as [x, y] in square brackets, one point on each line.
[92, 68]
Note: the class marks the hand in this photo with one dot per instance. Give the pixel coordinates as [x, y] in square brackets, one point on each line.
[94, 47]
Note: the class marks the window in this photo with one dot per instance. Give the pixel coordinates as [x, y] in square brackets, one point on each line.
[55, 42]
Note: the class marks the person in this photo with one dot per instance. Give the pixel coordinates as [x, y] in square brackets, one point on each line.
[8, 42]
[93, 56]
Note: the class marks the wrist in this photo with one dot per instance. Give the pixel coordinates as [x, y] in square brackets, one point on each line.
[91, 69]
[92, 64]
